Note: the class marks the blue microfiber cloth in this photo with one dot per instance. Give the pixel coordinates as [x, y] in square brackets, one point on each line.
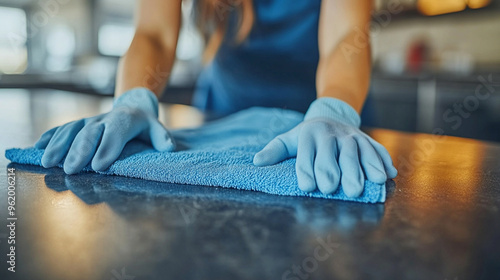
[220, 154]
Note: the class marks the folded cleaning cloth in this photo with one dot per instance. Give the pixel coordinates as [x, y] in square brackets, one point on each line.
[219, 154]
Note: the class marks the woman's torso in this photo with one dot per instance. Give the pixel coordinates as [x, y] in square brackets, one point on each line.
[274, 67]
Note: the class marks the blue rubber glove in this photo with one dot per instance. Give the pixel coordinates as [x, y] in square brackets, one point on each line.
[330, 150]
[101, 139]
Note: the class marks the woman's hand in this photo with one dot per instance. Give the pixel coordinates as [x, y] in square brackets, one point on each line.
[101, 139]
[330, 150]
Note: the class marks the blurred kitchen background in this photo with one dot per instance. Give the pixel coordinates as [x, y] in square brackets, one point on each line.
[436, 62]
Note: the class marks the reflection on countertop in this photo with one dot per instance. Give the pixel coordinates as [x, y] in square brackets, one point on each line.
[224, 232]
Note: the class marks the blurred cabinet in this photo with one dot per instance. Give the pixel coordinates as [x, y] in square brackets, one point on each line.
[465, 107]
[392, 103]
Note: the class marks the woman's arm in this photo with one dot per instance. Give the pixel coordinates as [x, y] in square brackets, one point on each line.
[329, 147]
[149, 59]
[344, 45]
[100, 140]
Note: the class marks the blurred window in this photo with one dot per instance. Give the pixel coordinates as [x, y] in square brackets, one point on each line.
[13, 37]
[114, 39]
[61, 47]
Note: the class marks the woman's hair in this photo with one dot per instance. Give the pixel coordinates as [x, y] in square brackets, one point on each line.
[213, 20]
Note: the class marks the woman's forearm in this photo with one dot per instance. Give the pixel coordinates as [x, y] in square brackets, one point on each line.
[345, 73]
[344, 45]
[147, 64]
[151, 54]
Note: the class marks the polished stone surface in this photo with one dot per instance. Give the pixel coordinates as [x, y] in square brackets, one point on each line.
[441, 219]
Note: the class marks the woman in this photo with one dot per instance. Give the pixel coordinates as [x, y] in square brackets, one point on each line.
[307, 56]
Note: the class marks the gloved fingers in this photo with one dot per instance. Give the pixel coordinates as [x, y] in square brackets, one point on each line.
[60, 143]
[371, 162]
[326, 167]
[160, 137]
[304, 165]
[391, 171]
[280, 148]
[112, 143]
[44, 140]
[352, 175]
[83, 148]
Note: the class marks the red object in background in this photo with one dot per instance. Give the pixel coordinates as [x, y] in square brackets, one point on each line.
[417, 56]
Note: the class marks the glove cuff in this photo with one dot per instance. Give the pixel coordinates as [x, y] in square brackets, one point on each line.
[139, 98]
[335, 109]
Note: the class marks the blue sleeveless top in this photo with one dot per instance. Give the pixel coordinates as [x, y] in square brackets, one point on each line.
[274, 67]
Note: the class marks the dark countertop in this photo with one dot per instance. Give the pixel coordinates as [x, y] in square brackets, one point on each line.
[441, 221]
